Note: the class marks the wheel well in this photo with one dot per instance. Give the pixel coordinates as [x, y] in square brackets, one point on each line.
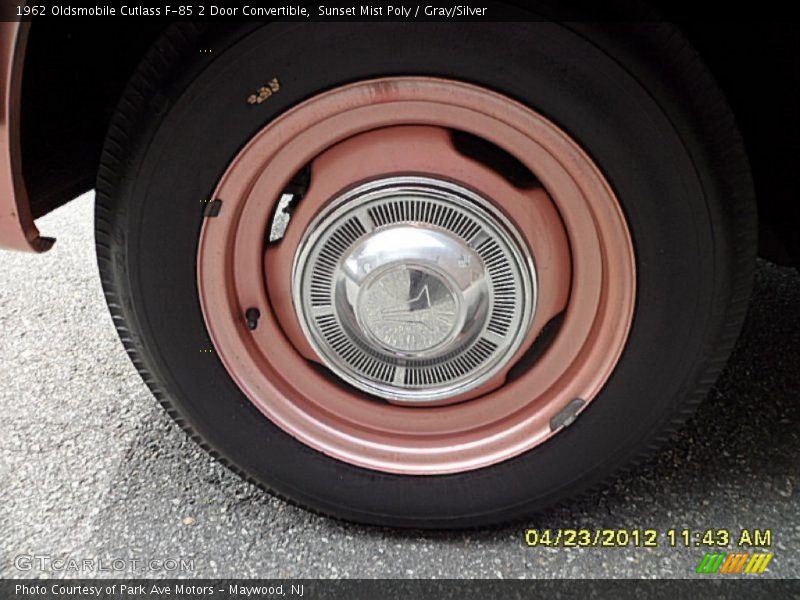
[757, 65]
[73, 78]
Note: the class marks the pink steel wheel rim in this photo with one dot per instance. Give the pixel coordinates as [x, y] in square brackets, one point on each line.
[573, 225]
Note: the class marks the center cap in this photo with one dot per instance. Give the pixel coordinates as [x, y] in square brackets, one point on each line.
[413, 289]
[408, 309]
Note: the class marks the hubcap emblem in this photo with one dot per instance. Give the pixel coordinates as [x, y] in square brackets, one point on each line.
[408, 309]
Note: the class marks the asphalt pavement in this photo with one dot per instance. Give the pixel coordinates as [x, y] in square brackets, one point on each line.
[92, 468]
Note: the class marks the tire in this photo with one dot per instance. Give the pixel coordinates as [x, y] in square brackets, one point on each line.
[638, 101]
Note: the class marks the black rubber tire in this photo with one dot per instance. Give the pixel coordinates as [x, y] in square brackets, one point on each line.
[637, 98]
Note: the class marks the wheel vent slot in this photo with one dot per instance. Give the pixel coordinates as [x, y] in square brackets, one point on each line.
[417, 211]
[503, 285]
[351, 353]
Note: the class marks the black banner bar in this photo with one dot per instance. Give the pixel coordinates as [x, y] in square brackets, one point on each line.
[388, 589]
[64, 11]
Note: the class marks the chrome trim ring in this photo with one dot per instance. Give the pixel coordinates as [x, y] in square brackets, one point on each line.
[413, 289]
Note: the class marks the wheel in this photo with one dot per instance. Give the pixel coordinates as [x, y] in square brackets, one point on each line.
[442, 277]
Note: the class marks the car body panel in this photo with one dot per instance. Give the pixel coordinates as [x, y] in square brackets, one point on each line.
[17, 228]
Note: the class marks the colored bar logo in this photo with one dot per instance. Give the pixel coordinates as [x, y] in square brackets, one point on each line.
[734, 563]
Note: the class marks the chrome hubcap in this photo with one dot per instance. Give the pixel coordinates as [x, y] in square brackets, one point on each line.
[414, 289]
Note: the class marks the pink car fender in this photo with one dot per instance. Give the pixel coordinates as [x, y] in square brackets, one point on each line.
[17, 229]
